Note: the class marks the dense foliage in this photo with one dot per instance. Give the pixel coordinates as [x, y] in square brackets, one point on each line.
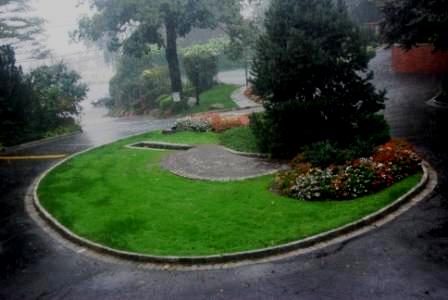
[133, 91]
[211, 122]
[193, 125]
[15, 107]
[201, 68]
[409, 22]
[310, 68]
[389, 164]
[31, 106]
[59, 93]
[137, 85]
[133, 25]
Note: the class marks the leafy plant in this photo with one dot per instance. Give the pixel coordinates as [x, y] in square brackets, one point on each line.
[143, 21]
[389, 164]
[46, 100]
[310, 69]
[201, 67]
[165, 102]
[240, 139]
[60, 93]
[324, 153]
[195, 125]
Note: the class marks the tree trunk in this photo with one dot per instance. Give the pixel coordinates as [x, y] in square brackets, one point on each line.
[171, 56]
[197, 94]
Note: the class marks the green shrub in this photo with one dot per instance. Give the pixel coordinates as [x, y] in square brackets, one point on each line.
[323, 154]
[165, 102]
[388, 164]
[315, 88]
[260, 127]
[137, 84]
[239, 139]
[34, 105]
[201, 67]
[194, 125]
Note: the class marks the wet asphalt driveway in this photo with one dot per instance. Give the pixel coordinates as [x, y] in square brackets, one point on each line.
[406, 259]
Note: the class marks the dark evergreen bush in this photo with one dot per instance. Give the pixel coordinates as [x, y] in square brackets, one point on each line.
[34, 105]
[310, 68]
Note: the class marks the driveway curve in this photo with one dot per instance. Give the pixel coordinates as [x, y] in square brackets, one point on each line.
[407, 259]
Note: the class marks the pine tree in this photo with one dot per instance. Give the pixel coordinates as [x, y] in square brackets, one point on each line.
[310, 68]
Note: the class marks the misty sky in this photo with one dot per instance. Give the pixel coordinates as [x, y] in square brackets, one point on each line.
[61, 17]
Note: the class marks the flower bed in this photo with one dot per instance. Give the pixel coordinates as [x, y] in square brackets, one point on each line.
[390, 163]
[211, 122]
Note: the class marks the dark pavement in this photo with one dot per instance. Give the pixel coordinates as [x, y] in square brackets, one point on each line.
[406, 259]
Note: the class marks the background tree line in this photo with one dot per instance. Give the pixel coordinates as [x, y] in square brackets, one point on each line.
[43, 103]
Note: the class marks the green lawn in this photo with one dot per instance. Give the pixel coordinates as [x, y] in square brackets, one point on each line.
[220, 94]
[240, 139]
[120, 197]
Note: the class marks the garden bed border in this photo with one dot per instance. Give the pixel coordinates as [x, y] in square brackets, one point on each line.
[419, 192]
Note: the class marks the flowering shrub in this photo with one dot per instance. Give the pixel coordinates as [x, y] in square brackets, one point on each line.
[193, 125]
[390, 163]
[212, 121]
[220, 124]
[313, 185]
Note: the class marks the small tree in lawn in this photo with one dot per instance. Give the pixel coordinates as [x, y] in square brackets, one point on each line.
[201, 67]
[310, 69]
[410, 22]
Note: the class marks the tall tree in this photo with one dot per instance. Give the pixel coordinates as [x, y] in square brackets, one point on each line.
[130, 25]
[310, 68]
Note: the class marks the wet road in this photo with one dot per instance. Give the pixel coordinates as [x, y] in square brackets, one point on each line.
[406, 259]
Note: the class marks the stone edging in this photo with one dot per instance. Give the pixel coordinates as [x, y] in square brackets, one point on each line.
[150, 145]
[247, 154]
[174, 146]
[223, 179]
[421, 191]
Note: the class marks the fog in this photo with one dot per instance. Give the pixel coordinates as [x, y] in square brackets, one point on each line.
[61, 17]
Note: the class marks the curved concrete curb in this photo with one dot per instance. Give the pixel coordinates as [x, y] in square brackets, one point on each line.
[149, 145]
[186, 175]
[247, 154]
[385, 215]
[242, 100]
[11, 149]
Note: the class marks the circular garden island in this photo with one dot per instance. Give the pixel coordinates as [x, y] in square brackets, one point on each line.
[122, 197]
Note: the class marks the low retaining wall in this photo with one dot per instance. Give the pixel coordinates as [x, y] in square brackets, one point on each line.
[421, 59]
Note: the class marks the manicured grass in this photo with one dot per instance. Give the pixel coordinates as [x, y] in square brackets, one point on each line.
[220, 94]
[121, 198]
[240, 139]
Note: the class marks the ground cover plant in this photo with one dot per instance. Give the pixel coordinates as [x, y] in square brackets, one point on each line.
[219, 95]
[212, 121]
[389, 163]
[120, 197]
[239, 139]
